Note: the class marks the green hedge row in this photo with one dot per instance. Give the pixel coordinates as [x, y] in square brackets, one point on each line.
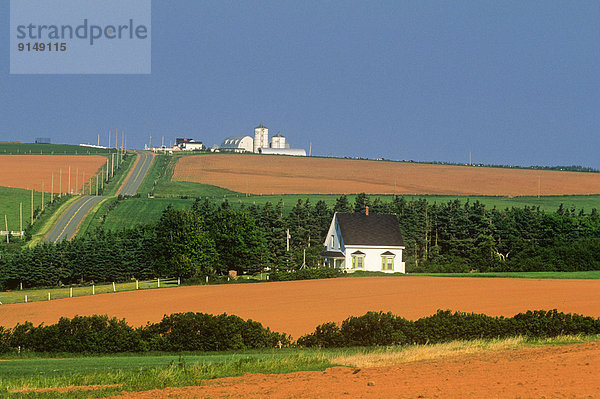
[306, 274]
[204, 332]
[378, 328]
[176, 332]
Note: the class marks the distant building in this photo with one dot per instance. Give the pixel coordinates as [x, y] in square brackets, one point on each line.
[261, 138]
[43, 140]
[238, 144]
[187, 144]
[278, 141]
[283, 151]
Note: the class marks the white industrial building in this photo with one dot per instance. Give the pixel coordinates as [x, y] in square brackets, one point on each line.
[238, 144]
[260, 144]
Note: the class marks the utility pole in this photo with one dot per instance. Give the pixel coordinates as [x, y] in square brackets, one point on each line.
[77, 180]
[112, 171]
[106, 171]
[52, 188]
[31, 206]
[96, 185]
[83, 183]
[7, 232]
[42, 196]
[108, 138]
[150, 145]
[59, 183]
[287, 237]
[98, 139]
[21, 218]
[69, 192]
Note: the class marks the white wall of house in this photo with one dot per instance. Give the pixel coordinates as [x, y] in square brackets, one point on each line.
[372, 260]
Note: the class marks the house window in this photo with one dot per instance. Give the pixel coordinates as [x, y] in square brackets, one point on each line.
[332, 241]
[358, 261]
[387, 262]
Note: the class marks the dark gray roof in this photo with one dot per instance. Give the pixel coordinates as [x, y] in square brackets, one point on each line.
[373, 229]
[332, 254]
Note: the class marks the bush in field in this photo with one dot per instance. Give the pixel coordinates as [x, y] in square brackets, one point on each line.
[205, 332]
[374, 329]
[82, 334]
[306, 274]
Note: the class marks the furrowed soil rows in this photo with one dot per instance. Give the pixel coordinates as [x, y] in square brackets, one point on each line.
[297, 307]
[267, 174]
[28, 171]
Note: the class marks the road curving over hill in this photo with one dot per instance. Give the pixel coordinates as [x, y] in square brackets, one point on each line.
[137, 174]
[68, 223]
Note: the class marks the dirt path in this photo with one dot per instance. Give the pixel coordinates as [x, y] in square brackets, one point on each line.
[297, 307]
[547, 372]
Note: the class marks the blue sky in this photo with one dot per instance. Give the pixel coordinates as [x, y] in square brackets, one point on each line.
[512, 82]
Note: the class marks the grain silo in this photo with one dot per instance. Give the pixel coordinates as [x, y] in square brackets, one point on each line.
[278, 141]
[261, 137]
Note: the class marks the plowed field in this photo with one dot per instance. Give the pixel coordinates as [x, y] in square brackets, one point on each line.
[297, 307]
[29, 171]
[547, 372]
[301, 175]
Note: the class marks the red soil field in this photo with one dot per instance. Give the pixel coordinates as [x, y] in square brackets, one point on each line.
[547, 372]
[297, 307]
[268, 174]
[29, 171]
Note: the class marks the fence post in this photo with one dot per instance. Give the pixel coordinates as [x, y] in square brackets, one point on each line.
[178, 280]
[114, 288]
[267, 276]
[48, 296]
[93, 289]
[206, 279]
[137, 284]
[25, 298]
[158, 283]
[71, 292]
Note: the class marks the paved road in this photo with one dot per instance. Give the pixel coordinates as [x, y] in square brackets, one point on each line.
[139, 172]
[68, 222]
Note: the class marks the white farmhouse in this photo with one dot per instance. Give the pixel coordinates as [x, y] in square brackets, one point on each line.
[358, 241]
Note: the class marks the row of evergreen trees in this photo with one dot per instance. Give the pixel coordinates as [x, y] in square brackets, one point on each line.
[210, 239]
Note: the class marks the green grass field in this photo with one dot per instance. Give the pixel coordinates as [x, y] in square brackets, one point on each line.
[41, 294]
[135, 211]
[587, 275]
[138, 372]
[49, 149]
[10, 200]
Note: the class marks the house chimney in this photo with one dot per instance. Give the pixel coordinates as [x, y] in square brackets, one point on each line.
[367, 210]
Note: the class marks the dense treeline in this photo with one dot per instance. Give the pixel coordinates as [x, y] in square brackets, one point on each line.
[378, 328]
[211, 239]
[205, 332]
[176, 332]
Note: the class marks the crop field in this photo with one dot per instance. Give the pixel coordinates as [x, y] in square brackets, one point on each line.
[49, 149]
[48, 172]
[297, 307]
[303, 175]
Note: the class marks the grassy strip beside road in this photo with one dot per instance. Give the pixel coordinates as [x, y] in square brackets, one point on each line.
[48, 219]
[35, 295]
[152, 371]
